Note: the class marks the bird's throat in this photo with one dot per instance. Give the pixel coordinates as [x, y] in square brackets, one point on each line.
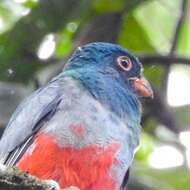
[113, 94]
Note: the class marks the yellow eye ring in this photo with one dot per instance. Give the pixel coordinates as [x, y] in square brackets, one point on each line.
[124, 62]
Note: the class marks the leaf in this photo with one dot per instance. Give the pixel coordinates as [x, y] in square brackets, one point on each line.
[30, 3]
[158, 19]
[65, 39]
[183, 45]
[133, 36]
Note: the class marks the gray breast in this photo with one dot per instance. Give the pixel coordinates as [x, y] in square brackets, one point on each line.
[81, 121]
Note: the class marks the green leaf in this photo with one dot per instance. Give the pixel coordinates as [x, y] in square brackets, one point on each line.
[63, 46]
[65, 39]
[183, 45]
[158, 18]
[30, 3]
[7, 17]
[133, 36]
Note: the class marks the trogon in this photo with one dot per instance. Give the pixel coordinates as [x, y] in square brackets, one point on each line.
[82, 128]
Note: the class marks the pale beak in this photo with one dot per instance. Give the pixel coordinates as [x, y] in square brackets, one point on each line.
[142, 87]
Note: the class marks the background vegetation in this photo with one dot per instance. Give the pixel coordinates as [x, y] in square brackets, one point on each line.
[37, 36]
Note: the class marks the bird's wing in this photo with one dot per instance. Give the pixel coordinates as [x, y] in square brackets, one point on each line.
[27, 120]
[125, 180]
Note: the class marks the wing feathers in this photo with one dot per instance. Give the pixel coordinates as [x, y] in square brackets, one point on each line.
[125, 180]
[17, 153]
[28, 119]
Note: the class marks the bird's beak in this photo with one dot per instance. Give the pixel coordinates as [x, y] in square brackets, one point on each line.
[142, 87]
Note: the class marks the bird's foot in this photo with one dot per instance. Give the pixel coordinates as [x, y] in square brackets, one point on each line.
[53, 185]
[71, 188]
[3, 168]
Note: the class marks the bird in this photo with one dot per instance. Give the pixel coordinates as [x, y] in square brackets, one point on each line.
[82, 128]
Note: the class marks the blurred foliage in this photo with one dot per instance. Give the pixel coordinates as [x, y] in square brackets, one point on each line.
[144, 27]
[65, 39]
[167, 179]
[108, 5]
[146, 147]
[184, 42]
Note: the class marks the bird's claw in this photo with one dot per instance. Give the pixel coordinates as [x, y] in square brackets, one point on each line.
[71, 188]
[53, 185]
[3, 168]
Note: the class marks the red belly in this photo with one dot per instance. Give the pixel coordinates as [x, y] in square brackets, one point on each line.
[88, 168]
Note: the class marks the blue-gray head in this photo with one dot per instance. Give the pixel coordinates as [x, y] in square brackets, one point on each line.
[112, 75]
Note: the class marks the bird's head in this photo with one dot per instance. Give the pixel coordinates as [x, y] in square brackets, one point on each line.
[110, 73]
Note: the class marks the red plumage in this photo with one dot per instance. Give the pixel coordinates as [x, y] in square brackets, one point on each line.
[87, 168]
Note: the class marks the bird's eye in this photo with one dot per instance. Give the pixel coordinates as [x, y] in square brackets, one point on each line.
[124, 62]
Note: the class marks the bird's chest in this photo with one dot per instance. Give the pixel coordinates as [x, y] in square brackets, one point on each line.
[87, 147]
[88, 167]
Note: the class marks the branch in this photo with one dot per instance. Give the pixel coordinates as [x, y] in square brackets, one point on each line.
[13, 179]
[179, 23]
[163, 59]
[146, 59]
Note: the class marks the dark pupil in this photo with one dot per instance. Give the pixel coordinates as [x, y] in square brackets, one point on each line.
[125, 63]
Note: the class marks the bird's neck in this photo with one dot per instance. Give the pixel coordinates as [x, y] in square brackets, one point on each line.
[110, 93]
